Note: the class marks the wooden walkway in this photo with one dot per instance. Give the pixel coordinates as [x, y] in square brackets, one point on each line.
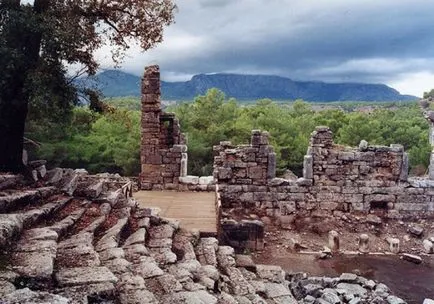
[195, 210]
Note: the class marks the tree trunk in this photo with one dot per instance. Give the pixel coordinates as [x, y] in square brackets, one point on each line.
[14, 96]
[12, 119]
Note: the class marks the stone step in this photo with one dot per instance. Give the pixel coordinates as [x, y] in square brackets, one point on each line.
[35, 260]
[111, 197]
[89, 293]
[84, 276]
[95, 225]
[11, 226]
[69, 182]
[8, 181]
[77, 251]
[89, 189]
[33, 216]
[12, 200]
[26, 295]
[111, 237]
[64, 225]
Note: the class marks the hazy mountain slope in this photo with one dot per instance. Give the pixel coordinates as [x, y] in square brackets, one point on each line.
[116, 83]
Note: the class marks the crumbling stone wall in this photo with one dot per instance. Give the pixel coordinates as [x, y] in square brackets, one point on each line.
[162, 144]
[163, 151]
[250, 164]
[336, 179]
[333, 165]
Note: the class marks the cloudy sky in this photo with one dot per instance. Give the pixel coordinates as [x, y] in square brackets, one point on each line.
[373, 41]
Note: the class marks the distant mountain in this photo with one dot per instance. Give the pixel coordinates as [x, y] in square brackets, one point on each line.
[114, 83]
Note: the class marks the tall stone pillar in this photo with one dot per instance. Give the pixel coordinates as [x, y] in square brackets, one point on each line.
[162, 151]
[150, 128]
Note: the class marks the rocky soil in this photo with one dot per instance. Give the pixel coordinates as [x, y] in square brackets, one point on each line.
[312, 235]
[74, 238]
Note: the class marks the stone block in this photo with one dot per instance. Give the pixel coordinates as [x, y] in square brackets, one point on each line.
[255, 172]
[184, 163]
[348, 156]
[206, 180]
[84, 276]
[377, 198]
[271, 273]
[428, 246]
[334, 241]
[246, 197]
[329, 205]
[189, 179]
[224, 173]
[394, 244]
[179, 149]
[287, 207]
[308, 167]
[412, 258]
[271, 166]
[240, 173]
[364, 243]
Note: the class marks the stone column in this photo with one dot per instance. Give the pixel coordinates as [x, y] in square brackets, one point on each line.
[334, 241]
[150, 128]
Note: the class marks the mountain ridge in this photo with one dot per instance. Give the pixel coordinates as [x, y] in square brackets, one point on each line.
[116, 83]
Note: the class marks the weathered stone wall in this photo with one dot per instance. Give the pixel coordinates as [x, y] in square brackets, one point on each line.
[336, 179]
[163, 152]
[250, 164]
[245, 234]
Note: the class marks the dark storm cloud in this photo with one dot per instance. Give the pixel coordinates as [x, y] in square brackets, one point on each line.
[339, 40]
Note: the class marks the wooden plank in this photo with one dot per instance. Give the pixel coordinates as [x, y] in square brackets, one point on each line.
[195, 210]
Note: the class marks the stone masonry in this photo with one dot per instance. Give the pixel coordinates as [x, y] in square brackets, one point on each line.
[162, 144]
[335, 179]
[163, 152]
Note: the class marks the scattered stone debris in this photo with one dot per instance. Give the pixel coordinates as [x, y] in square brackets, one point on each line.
[416, 230]
[364, 243]
[412, 258]
[394, 245]
[428, 246]
[348, 288]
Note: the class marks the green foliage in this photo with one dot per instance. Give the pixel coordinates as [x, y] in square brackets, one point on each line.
[128, 102]
[99, 143]
[212, 118]
[110, 142]
[429, 94]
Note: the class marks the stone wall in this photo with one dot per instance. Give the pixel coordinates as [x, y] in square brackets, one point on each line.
[250, 164]
[336, 179]
[163, 152]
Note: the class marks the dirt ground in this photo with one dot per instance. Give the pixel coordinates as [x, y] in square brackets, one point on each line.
[307, 234]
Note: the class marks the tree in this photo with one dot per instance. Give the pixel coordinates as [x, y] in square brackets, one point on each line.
[429, 94]
[40, 38]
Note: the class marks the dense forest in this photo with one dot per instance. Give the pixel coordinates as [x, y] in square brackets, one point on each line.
[110, 141]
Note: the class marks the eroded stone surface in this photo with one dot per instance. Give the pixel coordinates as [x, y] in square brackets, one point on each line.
[84, 275]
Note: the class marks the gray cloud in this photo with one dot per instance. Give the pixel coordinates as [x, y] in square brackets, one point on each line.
[214, 3]
[336, 40]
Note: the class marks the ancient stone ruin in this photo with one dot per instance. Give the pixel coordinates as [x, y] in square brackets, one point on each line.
[335, 179]
[163, 152]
